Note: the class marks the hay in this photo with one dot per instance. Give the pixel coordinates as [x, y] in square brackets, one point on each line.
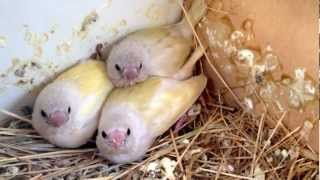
[219, 142]
[216, 143]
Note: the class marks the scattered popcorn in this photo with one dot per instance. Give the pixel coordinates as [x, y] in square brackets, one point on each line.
[152, 169]
[277, 152]
[153, 166]
[169, 166]
[269, 159]
[259, 174]
[230, 168]
[284, 154]
[246, 56]
[186, 141]
[12, 170]
[248, 103]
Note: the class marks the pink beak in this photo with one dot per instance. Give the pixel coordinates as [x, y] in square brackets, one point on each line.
[117, 138]
[58, 118]
[130, 73]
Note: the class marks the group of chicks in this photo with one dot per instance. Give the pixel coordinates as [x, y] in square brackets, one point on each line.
[143, 88]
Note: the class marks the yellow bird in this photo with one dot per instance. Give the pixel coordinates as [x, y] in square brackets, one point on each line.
[160, 51]
[66, 112]
[133, 117]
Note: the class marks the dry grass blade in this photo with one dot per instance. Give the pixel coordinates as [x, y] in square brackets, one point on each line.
[3, 111]
[47, 155]
[253, 165]
[176, 150]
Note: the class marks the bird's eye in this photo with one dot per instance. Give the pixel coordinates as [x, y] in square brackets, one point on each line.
[117, 67]
[69, 109]
[43, 113]
[128, 132]
[140, 66]
[104, 134]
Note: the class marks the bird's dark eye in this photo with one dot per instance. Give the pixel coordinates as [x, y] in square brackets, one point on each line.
[43, 113]
[104, 134]
[140, 66]
[69, 109]
[117, 67]
[128, 132]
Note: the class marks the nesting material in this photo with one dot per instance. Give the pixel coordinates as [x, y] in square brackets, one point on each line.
[218, 142]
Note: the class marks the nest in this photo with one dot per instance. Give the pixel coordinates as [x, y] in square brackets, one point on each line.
[217, 142]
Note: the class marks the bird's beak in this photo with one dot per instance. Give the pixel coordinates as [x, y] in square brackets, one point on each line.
[58, 118]
[117, 138]
[130, 73]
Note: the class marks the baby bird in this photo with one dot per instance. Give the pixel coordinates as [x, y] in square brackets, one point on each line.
[133, 117]
[66, 111]
[160, 51]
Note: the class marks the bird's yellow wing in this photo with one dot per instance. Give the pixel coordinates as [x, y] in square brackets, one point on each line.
[91, 79]
[161, 43]
[160, 101]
